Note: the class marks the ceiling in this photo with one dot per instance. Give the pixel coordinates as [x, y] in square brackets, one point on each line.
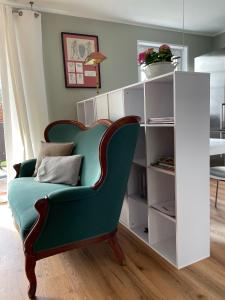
[201, 16]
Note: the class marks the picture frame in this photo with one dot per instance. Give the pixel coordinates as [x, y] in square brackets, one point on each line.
[76, 47]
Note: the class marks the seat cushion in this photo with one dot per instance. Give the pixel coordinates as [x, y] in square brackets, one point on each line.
[217, 172]
[53, 149]
[60, 169]
[23, 194]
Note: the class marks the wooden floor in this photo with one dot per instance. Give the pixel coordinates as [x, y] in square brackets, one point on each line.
[93, 274]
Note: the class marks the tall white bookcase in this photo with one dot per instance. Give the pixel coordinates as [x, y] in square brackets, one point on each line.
[185, 96]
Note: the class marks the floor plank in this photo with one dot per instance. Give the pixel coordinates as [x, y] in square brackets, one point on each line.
[93, 274]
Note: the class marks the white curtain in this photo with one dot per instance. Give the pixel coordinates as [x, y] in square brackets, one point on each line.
[23, 84]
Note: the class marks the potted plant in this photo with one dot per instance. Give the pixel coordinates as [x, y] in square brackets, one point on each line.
[157, 63]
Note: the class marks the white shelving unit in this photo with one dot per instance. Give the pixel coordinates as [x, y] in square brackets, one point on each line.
[86, 111]
[183, 239]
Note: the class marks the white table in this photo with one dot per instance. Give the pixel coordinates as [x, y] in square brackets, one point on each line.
[217, 146]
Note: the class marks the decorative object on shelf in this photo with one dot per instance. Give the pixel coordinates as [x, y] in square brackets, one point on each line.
[158, 68]
[94, 59]
[157, 63]
[76, 47]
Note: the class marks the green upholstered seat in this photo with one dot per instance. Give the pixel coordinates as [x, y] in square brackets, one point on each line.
[23, 193]
[77, 213]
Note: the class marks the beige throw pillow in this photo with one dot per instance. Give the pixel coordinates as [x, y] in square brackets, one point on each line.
[60, 169]
[53, 149]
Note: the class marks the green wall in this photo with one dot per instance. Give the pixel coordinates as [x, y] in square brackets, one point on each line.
[117, 41]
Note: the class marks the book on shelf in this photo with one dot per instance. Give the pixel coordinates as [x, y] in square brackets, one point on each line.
[164, 120]
[166, 207]
[163, 167]
[165, 163]
[142, 181]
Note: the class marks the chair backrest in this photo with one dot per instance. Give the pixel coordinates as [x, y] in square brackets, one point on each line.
[116, 154]
[86, 141]
[108, 152]
[107, 149]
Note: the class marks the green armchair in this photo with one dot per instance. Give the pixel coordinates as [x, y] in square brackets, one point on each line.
[53, 218]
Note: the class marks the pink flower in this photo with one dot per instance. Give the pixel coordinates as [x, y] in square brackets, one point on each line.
[149, 51]
[164, 49]
[141, 58]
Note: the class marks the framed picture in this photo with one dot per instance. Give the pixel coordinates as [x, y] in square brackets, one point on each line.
[76, 47]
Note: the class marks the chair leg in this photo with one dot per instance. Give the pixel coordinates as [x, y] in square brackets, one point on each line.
[117, 250]
[217, 186]
[30, 264]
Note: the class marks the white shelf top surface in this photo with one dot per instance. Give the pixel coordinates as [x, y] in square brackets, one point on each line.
[165, 78]
[159, 125]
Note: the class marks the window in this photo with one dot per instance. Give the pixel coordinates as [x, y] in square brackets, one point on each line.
[177, 50]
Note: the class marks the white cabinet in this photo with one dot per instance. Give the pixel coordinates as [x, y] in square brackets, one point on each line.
[116, 106]
[86, 112]
[89, 111]
[184, 238]
[134, 101]
[113, 105]
[81, 112]
[191, 97]
[102, 108]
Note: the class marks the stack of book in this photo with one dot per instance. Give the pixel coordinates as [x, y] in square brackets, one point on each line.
[165, 120]
[165, 163]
